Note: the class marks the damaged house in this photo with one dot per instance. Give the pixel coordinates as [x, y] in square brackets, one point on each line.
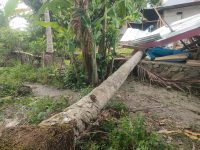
[170, 36]
[174, 10]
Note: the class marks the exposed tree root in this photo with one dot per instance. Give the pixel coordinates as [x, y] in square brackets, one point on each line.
[37, 138]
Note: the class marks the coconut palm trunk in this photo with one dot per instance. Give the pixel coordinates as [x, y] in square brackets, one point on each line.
[59, 131]
[49, 48]
[48, 56]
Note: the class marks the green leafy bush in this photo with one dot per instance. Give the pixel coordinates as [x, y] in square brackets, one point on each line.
[74, 78]
[12, 77]
[11, 40]
[133, 135]
[123, 134]
[37, 46]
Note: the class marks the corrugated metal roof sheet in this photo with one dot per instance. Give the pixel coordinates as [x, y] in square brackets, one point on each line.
[180, 27]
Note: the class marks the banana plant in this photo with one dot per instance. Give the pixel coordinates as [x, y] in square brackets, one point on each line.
[96, 27]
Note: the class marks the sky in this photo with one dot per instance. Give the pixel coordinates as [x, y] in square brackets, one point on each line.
[17, 22]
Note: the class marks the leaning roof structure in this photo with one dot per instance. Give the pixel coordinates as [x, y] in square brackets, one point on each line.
[182, 29]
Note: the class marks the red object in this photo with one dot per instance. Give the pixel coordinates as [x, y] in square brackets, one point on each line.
[181, 36]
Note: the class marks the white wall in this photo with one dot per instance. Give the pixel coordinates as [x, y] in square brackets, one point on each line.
[171, 14]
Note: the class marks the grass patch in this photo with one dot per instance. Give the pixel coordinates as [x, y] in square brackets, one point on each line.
[36, 109]
[119, 132]
[123, 134]
[13, 77]
[42, 108]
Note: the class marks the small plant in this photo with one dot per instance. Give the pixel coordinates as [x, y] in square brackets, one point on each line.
[42, 108]
[11, 78]
[74, 79]
[123, 134]
[133, 135]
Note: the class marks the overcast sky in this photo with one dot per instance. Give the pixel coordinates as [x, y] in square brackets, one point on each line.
[17, 22]
[2, 3]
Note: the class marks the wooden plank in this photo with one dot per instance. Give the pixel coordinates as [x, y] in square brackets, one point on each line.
[172, 57]
[193, 63]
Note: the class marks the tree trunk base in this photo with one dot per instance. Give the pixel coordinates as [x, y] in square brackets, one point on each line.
[48, 59]
[37, 138]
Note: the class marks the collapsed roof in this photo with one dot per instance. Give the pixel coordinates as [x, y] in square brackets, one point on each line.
[182, 29]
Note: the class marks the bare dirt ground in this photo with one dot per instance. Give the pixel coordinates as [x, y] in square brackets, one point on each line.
[177, 106]
[40, 90]
[164, 110]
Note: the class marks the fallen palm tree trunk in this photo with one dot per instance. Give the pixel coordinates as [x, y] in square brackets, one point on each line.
[57, 132]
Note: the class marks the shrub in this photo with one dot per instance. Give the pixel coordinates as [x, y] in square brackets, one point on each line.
[123, 134]
[11, 40]
[74, 78]
[13, 77]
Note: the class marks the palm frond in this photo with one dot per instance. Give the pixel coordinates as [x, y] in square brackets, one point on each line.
[144, 74]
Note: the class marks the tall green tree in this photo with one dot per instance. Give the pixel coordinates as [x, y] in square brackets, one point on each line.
[96, 26]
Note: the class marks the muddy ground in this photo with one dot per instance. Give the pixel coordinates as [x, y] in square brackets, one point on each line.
[164, 110]
[45, 90]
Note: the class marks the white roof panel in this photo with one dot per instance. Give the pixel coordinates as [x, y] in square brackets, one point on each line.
[138, 37]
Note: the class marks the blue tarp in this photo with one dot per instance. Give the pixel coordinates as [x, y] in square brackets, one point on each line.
[160, 52]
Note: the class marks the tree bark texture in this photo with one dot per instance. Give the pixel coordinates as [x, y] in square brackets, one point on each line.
[48, 55]
[85, 110]
[49, 38]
